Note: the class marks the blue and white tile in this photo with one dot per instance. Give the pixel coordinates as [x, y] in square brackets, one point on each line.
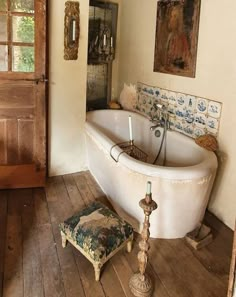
[188, 129]
[172, 98]
[149, 90]
[149, 114]
[202, 105]
[180, 112]
[189, 116]
[179, 126]
[164, 94]
[157, 93]
[156, 101]
[137, 107]
[212, 123]
[152, 113]
[148, 108]
[214, 109]
[198, 132]
[212, 126]
[143, 109]
[150, 100]
[212, 131]
[164, 103]
[143, 99]
[172, 121]
[180, 99]
[200, 120]
[145, 89]
[190, 102]
[141, 86]
[139, 97]
[171, 109]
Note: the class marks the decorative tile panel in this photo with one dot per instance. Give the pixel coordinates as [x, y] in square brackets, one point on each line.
[188, 114]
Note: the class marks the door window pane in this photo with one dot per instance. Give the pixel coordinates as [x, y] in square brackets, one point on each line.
[3, 27]
[22, 5]
[23, 59]
[23, 29]
[3, 5]
[3, 58]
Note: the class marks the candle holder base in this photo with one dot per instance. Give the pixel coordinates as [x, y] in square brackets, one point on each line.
[141, 285]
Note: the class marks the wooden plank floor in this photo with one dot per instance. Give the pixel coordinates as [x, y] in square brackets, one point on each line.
[33, 263]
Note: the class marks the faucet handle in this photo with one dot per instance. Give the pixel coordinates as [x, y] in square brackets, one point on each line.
[156, 106]
[159, 106]
[156, 112]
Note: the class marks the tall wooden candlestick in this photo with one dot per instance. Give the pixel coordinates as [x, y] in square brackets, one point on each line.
[140, 284]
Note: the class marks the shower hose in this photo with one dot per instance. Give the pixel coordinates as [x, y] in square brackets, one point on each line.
[162, 141]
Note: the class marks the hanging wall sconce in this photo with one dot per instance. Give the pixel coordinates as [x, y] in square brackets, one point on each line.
[71, 30]
[107, 39]
[102, 32]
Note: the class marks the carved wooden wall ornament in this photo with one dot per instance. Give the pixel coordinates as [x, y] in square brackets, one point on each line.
[71, 30]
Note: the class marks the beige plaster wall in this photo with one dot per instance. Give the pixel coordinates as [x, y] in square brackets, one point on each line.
[215, 78]
[67, 94]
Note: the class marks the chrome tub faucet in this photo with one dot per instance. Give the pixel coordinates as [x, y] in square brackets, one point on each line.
[160, 117]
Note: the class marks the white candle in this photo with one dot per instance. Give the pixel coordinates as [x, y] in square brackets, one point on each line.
[149, 184]
[130, 129]
[104, 40]
[111, 41]
[73, 30]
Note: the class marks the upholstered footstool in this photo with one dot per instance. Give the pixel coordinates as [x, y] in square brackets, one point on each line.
[98, 233]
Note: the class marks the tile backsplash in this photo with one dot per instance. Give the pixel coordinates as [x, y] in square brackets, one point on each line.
[188, 114]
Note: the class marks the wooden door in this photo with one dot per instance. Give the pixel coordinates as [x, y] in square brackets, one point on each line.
[232, 274]
[22, 93]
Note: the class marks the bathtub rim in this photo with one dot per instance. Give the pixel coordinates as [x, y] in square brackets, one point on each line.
[204, 168]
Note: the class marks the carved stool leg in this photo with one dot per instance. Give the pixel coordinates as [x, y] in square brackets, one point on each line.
[129, 245]
[97, 270]
[63, 239]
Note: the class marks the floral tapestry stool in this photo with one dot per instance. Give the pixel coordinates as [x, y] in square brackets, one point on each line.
[98, 233]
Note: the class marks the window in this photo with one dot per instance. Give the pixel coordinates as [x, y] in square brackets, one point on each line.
[17, 36]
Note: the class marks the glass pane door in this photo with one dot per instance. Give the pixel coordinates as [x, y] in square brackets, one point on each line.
[17, 36]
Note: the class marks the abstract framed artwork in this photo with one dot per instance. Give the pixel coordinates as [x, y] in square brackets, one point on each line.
[176, 40]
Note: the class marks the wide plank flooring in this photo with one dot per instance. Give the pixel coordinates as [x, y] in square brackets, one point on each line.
[34, 264]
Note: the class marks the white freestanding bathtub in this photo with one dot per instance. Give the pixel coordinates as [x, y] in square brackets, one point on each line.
[181, 188]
